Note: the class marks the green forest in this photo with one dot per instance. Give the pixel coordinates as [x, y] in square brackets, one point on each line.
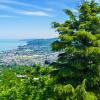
[76, 73]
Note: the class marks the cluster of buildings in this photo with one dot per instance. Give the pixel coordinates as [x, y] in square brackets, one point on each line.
[27, 57]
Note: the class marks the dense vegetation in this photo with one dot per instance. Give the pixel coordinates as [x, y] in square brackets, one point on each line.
[37, 84]
[75, 75]
[79, 41]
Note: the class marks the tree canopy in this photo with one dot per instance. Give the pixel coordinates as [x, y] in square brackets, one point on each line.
[79, 44]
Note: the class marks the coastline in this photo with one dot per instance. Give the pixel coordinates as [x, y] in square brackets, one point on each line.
[34, 52]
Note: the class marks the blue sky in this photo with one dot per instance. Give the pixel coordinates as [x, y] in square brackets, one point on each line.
[21, 19]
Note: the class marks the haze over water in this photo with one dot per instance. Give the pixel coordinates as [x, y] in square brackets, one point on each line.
[9, 44]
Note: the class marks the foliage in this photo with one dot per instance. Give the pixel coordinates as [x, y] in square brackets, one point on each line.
[40, 87]
[24, 88]
[79, 44]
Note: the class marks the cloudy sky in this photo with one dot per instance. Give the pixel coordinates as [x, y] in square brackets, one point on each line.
[21, 19]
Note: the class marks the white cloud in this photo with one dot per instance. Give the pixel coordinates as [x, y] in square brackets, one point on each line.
[74, 10]
[14, 2]
[4, 7]
[48, 9]
[24, 4]
[98, 1]
[33, 13]
[7, 8]
[41, 10]
[5, 16]
[24, 12]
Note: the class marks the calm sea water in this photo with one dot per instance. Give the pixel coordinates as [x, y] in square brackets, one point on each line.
[10, 44]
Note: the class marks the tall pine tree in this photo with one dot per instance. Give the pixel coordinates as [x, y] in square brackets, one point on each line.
[79, 44]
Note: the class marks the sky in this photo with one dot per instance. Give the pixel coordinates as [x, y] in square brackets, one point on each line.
[24, 19]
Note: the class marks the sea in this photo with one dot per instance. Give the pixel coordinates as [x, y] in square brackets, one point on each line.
[10, 44]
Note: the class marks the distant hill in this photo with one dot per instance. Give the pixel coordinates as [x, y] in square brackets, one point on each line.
[37, 46]
[40, 42]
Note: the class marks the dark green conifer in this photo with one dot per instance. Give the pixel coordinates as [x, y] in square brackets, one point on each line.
[79, 44]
